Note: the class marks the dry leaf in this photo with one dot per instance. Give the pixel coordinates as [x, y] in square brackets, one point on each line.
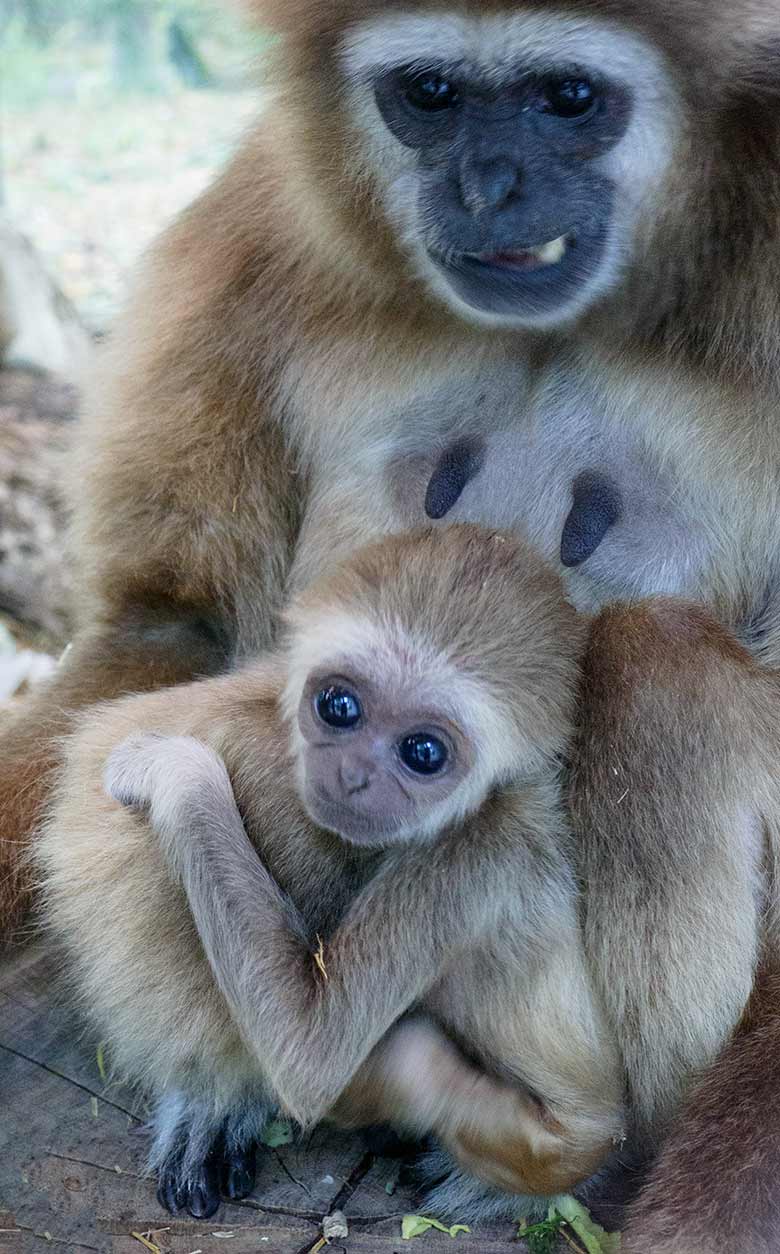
[319, 958]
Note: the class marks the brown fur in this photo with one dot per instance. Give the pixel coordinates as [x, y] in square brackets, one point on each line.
[735, 1106]
[683, 798]
[276, 341]
[96, 667]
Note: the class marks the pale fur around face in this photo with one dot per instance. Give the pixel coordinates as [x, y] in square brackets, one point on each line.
[501, 46]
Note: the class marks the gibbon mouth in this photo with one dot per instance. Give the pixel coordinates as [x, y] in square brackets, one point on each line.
[510, 261]
[526, 283]
[541, 257]
[348, 822]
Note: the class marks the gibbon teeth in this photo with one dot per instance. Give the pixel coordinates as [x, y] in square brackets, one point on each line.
[550, 253]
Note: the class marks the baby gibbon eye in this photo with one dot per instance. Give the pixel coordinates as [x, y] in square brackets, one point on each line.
[338, 707]
[423, 753]
[568, 97]
[429, 91]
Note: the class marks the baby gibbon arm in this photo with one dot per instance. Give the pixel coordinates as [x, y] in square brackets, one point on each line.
[314, 1017]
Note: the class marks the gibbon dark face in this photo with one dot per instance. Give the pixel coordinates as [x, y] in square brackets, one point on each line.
[513, 192]
[515, 152]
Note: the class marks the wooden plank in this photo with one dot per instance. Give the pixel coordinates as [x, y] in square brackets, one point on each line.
[11, 1237]
[281, 1241]
[72, 1152]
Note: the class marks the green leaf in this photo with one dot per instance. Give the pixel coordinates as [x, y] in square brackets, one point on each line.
[414, 1226]
[277, 1132]
[418, 1225]
[592, 1236]
[101, 1061]
[542, 1238]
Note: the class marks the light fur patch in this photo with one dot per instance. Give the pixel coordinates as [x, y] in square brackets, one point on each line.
[498, 45]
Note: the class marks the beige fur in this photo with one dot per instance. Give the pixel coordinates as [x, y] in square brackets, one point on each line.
[283, 365]
[499, 875]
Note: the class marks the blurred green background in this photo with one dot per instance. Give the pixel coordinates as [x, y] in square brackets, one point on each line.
[114, 114]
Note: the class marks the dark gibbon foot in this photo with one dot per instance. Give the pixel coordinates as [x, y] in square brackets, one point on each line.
[225, 1173]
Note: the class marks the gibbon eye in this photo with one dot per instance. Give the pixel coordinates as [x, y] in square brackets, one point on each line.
[569, 97]
[338, 707]
[423, 753]
[429, 92]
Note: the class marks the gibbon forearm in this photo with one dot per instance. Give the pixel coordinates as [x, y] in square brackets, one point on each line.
[313, 1025]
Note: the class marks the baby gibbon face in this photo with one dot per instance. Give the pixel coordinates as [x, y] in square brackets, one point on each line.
[376, 766]
[424, 672]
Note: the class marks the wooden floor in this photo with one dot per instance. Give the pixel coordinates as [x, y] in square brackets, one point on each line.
[72, 1149]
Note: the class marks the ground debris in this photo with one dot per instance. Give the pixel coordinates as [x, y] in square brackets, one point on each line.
[335, 1225]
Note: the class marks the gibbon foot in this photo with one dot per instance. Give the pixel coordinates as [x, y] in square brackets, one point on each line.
[225, 1173]
[239, 1169]
[199, 1160]
[196, 1191]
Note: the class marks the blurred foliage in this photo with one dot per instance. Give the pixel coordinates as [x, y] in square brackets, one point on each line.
[42, 19]
[107, 131]
[78, 48]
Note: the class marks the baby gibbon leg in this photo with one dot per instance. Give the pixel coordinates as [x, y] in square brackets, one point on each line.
[418, 1081]
[97, 667]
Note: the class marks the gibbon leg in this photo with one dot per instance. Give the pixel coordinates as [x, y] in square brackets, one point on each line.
[714, 1187]
[674, 802]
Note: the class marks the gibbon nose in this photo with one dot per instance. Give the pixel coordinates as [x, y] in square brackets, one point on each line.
[488, 183]
[354, 776]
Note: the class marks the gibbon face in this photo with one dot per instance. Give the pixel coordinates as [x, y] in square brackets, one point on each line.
[379, 766]
[423, 672]
[515, 153]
